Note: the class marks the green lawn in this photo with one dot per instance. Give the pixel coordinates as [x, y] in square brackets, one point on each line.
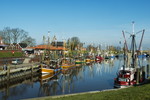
[133, 93]
[9, 54]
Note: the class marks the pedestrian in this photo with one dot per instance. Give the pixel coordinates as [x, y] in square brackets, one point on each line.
[5, 67]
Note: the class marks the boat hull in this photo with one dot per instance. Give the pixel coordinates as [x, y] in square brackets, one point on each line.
[88, 60]
[79, 62]
[46, 76]
[47, 70]
[123, 84]
[67, 66]
[125, 78]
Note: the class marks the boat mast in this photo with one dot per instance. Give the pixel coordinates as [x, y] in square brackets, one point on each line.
[125, 52]
[124, 57]
[126, 46]
[49, 45]
[133, 46]
[134, 50]
[43, 55]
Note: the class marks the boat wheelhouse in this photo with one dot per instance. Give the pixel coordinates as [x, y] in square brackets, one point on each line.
[125, 77]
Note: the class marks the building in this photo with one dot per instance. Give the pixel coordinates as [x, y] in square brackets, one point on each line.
[54, 47]
[2, 45]
[14, 46]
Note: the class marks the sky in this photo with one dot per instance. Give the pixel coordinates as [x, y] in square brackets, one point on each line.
[92, 21]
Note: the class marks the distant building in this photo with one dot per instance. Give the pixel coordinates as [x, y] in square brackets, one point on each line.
[1, 41]
[2, 45]
[14, 46]
[55, 46]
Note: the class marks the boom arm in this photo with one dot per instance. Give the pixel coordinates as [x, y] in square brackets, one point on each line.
[141, 40]
[125, 40]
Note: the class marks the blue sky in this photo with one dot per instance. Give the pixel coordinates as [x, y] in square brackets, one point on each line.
[93, 21]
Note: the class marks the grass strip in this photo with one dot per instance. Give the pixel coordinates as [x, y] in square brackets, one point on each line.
[9, 54]
[133, 93]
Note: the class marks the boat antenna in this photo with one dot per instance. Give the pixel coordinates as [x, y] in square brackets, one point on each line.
[49, 44]
[133, 27]
[48, 37]
[124, 58]
[133, 46]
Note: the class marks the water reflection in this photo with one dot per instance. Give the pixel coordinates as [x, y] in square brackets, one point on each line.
[49, 85]
[88, 77]
[10, 89]
[69, 77]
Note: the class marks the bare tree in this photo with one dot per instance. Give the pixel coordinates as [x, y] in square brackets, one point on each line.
[16, 35]
[29, 41]
[73, 42]
[6, 34]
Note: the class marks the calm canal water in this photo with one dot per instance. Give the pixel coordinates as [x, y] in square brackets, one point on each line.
[92, 77]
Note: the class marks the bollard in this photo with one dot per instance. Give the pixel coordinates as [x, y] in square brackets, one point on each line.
[137, 75]
[8, 72]
[143, 73]
[147, 70]
[31, 69]
[31, 73]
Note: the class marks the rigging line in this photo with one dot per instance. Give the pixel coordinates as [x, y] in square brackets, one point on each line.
[128, 32]
[139, 32]
[141, 40]
[125, 40]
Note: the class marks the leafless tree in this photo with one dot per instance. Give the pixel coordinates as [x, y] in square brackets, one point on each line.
[16, 35]
[29, 41]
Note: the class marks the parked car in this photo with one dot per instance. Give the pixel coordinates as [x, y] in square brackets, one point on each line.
[17, 61]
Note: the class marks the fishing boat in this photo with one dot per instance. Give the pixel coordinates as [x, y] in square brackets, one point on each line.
[128, 75]
[142, 56]
[125, 78]
[89, 59]
[67, 62]
[50, 64]
[46, 76]
[46, 79]
[109, 56]
[67, 66]
[48, 69]
[79, 60]
[99, 58]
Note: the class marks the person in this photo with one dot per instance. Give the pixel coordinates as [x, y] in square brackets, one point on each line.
[4, 67]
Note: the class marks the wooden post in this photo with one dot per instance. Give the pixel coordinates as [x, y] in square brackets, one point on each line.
[137, 76]
[32, 74]
[7, 89]
[143, 72]
[148, 70]
[41, 66]
[8, 72]
[31, 69]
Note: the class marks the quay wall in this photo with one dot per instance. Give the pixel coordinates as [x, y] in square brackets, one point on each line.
[15, 72]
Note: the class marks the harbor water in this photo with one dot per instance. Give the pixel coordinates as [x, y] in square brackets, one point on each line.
[88, 77]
